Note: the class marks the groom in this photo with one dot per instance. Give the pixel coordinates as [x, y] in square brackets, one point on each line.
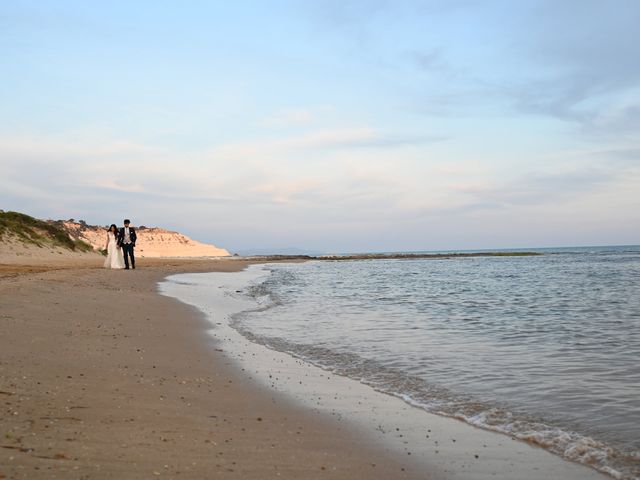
[127, 240]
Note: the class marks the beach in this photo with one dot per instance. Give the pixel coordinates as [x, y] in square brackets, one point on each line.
[320, 240]
[105, 377]
[101, 377]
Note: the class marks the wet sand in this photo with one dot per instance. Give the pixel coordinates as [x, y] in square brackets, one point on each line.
[101, 377]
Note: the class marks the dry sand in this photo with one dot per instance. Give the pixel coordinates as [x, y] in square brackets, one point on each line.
[101, 377]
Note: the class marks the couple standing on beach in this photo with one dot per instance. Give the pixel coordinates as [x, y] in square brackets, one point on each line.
[120, 245]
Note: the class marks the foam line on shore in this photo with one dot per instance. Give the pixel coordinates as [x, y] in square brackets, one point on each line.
[449, 447]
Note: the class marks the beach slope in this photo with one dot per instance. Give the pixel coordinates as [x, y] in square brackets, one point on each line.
[101, 377]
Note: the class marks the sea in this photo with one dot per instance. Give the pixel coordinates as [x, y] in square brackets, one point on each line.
[542, 348]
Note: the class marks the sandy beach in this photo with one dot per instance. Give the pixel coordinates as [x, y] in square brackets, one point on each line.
[101, 377]
[363, 240]
[104, 376]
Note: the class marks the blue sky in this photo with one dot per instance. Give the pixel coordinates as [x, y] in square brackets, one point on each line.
[327, 125]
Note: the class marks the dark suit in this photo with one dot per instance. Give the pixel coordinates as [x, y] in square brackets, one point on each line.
[127, 248]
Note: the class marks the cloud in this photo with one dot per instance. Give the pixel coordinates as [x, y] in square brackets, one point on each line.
[570, 60]
[251, 173]
[285, 191]
[82, 146]
[628, 156]
[332, 139]
[578, 59]
[619, 120]
[535, 188]
[294, 117]
[56, 167]
[433, 61]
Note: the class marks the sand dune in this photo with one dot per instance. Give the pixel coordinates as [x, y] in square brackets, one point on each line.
[15, 251]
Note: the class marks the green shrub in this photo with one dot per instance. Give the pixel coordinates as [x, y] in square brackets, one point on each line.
[38, 232]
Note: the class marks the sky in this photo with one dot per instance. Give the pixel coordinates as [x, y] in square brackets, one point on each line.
[327, 125]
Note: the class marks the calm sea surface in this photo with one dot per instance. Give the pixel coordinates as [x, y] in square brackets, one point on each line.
[544, 348]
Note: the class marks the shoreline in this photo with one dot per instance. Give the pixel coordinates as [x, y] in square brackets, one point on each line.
[447, 446]
[103, 377]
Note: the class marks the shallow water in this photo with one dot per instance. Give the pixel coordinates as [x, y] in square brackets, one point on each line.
[544, 348]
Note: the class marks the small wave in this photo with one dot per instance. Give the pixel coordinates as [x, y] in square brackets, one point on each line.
[310, 289]
[438, 400]
[263, 294]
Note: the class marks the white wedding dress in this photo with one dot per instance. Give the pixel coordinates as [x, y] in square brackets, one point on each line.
[114, 259]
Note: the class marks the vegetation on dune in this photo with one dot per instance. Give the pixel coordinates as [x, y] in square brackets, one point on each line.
[38, 232]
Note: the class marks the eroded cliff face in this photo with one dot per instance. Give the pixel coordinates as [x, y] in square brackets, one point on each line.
[152, 242]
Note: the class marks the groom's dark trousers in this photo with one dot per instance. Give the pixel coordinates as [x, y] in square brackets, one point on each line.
[127, 251]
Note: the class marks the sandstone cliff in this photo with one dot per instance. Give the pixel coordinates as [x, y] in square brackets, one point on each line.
[152, 242]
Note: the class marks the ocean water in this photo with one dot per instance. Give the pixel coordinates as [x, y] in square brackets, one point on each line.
[543, 348]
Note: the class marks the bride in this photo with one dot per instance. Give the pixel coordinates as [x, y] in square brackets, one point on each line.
[114, 259]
